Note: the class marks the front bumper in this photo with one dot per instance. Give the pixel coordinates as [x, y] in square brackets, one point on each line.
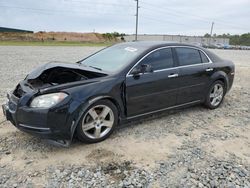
[6, 112]
[54, 124]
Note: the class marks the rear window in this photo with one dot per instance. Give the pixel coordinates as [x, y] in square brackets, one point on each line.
[204, 57]
[188, 56]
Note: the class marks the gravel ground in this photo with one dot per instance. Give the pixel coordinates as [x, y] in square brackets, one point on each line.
[193, 147]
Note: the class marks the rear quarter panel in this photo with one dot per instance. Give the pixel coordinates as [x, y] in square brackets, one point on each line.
[224, 70]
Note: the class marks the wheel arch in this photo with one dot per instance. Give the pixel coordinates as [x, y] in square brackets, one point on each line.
[221, 76]
[91, 101]
[111, 99]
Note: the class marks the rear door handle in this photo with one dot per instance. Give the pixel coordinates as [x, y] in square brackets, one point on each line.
[173, 75]
[209, 69]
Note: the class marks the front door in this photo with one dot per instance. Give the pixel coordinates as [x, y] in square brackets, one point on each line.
[155, 90]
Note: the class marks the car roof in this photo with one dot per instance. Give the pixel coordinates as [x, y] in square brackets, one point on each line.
[154, 44]
[150, 45]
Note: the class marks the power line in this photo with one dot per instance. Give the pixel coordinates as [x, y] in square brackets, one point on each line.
[159, 12]
[101, 3]
[194, 17]
[175, 12]
[163, 22]
[59, 11]
[155, 9]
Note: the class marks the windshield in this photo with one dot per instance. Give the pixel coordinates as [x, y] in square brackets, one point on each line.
[112, 59]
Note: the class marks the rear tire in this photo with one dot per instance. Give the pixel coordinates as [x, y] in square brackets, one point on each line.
[215, 95]
[97, 122]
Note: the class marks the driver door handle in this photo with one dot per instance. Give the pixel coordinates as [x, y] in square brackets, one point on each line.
[173, 75]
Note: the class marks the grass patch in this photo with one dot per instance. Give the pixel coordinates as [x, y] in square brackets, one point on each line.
[53, 43]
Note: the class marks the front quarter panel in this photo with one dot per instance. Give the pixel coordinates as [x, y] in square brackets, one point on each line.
[84, 95]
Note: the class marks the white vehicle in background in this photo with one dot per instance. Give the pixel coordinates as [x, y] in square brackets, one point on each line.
[220, 45]
[205, 45]
[196, 44]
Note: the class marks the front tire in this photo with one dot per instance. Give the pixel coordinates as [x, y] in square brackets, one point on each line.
[98, 122]
[215, 95]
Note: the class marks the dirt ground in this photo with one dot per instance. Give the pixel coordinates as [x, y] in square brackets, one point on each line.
[53, 36]
[165, 146]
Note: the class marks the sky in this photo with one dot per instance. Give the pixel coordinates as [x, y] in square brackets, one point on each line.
[178, 17]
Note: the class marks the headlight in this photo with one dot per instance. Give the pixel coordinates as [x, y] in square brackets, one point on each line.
[47, 100]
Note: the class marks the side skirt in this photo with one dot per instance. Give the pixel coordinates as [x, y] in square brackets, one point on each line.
[164, 109]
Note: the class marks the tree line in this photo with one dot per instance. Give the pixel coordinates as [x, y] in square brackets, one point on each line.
[243, 39]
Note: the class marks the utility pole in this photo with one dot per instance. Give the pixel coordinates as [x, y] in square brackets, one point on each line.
[136, 26]
[211, 32]
[212, 27]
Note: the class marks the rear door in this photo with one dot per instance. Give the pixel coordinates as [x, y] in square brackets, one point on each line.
[153, 91]
[192, 74]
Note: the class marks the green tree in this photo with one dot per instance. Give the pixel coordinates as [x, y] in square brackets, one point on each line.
[243, 39]
[207, 35]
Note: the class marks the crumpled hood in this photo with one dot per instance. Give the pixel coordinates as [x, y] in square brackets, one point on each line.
[39, 70]
[56, 76]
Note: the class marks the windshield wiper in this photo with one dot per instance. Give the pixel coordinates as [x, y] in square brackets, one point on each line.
[96, 68]
[79, 62]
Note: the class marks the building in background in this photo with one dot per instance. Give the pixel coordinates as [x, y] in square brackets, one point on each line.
[203, 41]
[11, 30]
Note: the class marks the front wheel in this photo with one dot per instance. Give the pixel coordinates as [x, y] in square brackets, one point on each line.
[215, 95]
[98, 122]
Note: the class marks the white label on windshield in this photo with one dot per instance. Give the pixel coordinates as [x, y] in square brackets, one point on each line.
[130, 49]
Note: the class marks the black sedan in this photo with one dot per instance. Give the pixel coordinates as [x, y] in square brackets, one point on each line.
[119, 83]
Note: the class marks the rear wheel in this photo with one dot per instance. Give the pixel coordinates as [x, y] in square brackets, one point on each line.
[98, 122]
[215, 95]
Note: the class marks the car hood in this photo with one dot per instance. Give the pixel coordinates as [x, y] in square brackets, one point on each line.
[58, 64]
[57, 76]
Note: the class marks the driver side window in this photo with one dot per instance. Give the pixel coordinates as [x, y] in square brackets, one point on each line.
[159, 59]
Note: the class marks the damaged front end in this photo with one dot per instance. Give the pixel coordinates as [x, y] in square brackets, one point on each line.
[48, 119]
[54, 74]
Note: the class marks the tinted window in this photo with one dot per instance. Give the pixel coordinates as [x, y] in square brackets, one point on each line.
[160, 59]
[188, 56]
[204, 57]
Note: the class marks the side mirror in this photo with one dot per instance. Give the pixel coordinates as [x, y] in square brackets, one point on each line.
[136, 71]
[142, 69]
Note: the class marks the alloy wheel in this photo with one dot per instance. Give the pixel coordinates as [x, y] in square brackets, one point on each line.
[216, 94]
[98, 121]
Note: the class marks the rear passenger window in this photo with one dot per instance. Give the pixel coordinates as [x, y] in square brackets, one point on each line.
[188, 56]
[160, 59]
[204, 57]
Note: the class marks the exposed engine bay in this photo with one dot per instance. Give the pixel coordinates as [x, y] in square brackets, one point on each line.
[55, 74]
[61, 75]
